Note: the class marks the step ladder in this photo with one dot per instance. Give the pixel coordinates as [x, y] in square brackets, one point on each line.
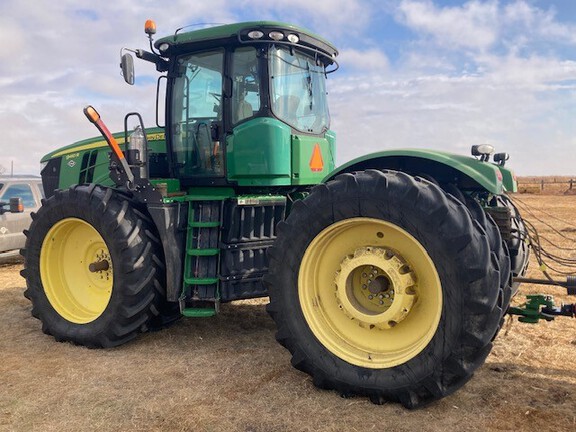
[200, 291]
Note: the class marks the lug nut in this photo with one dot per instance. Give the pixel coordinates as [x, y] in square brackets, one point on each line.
[370, 297]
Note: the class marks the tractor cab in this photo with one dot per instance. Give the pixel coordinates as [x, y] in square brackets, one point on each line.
[245, 104]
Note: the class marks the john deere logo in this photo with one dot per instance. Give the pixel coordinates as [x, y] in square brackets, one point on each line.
[71, 163]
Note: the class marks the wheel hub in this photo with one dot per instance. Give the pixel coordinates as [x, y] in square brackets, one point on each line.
[76, 270]
[375, 288]
[370, 292]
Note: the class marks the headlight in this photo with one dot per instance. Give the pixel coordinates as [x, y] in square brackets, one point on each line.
[293, 38]
[501, 158]
[255, 34]
[276, 35]
[482, 150]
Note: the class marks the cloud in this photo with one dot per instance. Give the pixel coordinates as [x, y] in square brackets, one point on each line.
[484, 25]
[367, 60]
[414, 73]
[472, 25]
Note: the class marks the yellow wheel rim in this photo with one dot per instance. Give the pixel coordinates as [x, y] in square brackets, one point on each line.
[76, 270]
[370, 292]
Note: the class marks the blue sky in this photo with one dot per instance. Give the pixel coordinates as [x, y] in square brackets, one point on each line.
[414, 73]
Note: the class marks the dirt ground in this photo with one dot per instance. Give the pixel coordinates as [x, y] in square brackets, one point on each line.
[227, 373]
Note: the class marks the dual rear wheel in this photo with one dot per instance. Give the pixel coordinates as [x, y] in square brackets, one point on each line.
[382, 284]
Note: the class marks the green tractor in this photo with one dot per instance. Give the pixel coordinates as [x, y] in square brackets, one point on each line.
[388, 277]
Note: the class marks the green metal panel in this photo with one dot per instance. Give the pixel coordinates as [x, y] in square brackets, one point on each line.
[198, 313]
[305, 151]
[485, 174]
[73, 153]
[258, 153]
[172, 185]
[203, 194]
[508, 179]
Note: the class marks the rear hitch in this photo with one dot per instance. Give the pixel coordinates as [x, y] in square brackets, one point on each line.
[539, 306]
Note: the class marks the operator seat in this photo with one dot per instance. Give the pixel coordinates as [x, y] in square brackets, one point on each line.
[243, 111]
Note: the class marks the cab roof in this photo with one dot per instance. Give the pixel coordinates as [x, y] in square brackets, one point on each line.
[240, 30]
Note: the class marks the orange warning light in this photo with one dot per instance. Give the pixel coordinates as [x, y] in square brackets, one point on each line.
[91, 113]
[316, 162]
[150, 27]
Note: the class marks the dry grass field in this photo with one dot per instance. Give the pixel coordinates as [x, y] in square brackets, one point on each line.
[227, 373]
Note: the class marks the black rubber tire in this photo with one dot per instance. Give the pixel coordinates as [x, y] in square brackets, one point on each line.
[136, 257]
[516, 240]
[460, 251]
[499, 249]
[497, 245]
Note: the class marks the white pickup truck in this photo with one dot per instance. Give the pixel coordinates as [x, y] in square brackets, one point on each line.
[12, 225]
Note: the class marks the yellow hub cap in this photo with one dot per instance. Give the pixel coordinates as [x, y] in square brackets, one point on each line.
[370, 292]
[76, 270]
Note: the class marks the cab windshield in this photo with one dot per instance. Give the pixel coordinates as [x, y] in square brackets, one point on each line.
[298, 90]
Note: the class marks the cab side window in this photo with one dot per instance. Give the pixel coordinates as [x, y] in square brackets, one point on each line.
[246, 91]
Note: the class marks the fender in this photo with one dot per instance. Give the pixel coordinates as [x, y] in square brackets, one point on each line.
[444, 168]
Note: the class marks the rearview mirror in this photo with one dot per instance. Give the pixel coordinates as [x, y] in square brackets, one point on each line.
[16, 205]
[127, 66]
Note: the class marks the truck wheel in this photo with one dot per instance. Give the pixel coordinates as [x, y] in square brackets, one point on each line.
[92, 267]
[381, 285]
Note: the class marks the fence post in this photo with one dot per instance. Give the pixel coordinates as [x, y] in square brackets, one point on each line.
[541, 185]
[571, 182]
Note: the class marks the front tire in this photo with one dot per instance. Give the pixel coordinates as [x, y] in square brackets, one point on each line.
[93, 267]
[433, 281]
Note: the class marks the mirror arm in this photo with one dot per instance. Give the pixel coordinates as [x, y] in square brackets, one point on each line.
[161, 64]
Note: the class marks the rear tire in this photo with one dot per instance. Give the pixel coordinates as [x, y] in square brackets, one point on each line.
[500, 253]
[447, 317]
[516, 239]
[93, 267]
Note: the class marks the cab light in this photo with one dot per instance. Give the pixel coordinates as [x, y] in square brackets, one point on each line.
[482, 150]
[293, 38]
[164, 47]
[255, 34]
[276, 35]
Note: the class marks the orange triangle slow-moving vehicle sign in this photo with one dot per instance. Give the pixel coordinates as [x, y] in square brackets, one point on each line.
[316, 161]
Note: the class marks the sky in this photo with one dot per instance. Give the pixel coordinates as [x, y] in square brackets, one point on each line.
[439, 74]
